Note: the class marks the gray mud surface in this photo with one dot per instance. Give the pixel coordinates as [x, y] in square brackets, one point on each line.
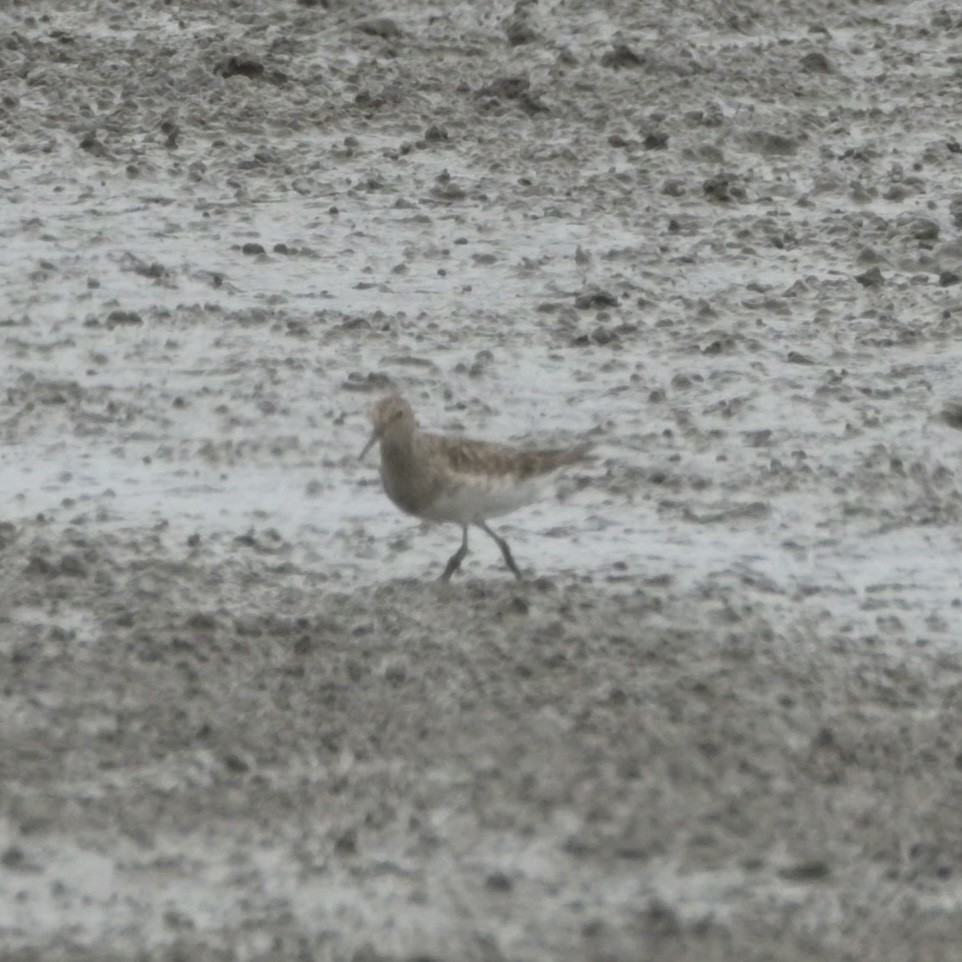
[719, 720]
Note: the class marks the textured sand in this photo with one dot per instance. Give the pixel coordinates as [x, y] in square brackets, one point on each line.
[719, 720]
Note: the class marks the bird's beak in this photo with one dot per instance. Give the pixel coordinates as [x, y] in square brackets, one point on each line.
[375, 437]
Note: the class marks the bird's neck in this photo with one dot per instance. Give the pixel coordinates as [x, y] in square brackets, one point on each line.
[398, 450]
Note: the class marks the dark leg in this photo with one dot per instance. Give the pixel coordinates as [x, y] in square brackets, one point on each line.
[455, 560]
[505, 550]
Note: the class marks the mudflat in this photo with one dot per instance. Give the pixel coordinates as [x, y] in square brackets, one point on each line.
[719, 717]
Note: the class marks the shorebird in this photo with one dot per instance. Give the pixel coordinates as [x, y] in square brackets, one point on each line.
[460, 480]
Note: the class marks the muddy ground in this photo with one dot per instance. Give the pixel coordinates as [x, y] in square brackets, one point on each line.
[719, 719]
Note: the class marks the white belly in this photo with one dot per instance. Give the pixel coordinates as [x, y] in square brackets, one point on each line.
[476, 499]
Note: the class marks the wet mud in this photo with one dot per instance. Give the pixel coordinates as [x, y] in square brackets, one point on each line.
[718, 719]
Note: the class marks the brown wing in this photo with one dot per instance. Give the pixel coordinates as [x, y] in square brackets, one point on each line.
[466, 456]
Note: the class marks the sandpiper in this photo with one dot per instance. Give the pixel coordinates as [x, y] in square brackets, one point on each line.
[459, 479]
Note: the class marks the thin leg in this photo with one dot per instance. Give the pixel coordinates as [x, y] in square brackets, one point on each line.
[455, 560]
[505, 550]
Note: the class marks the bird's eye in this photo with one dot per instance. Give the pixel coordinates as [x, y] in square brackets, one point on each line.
[399, 413]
